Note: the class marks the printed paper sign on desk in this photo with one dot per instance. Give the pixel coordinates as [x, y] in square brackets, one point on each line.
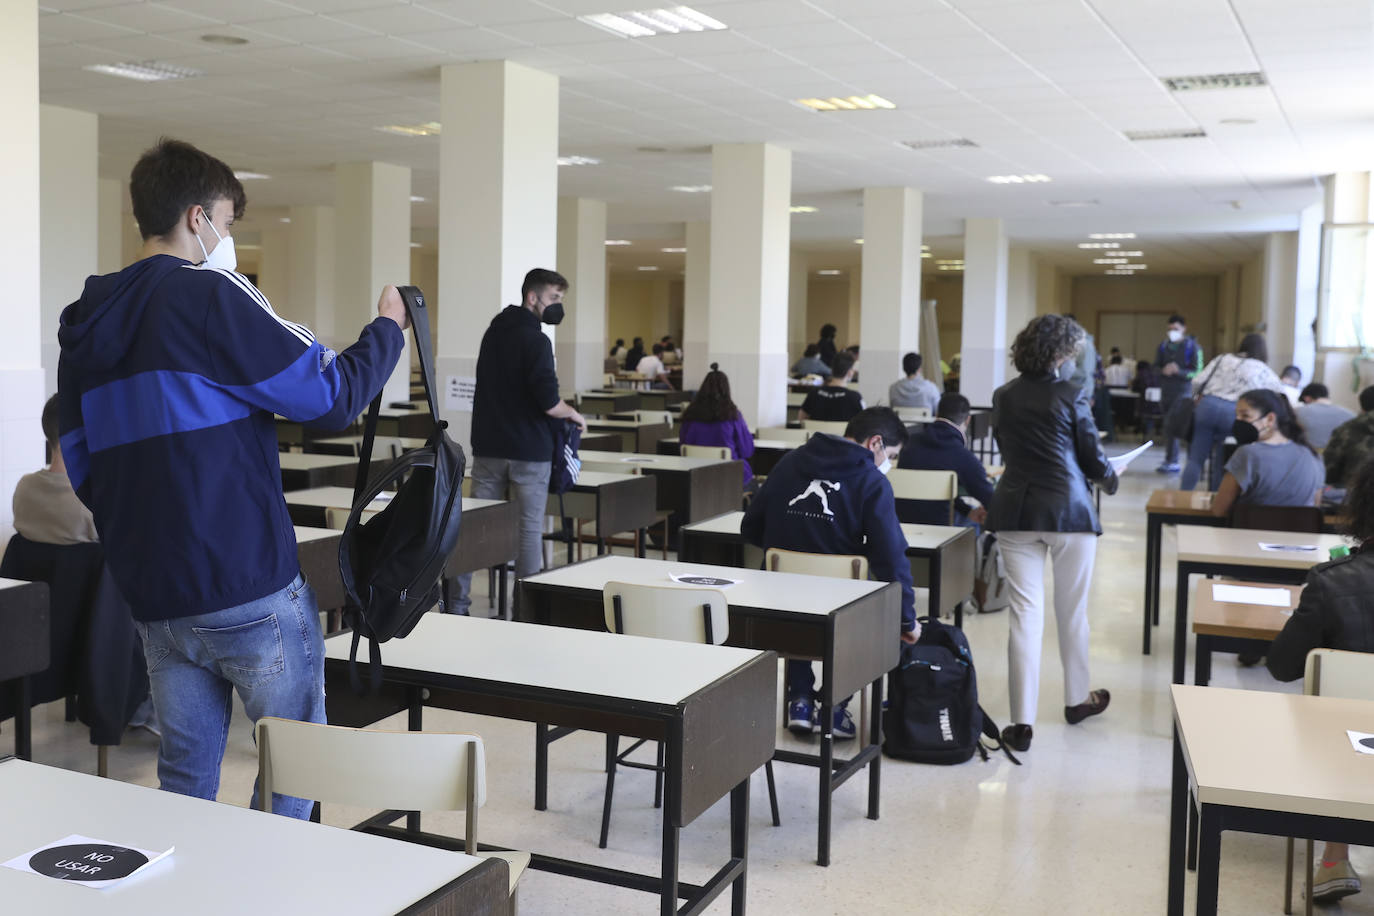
[702, 581]
[90, 862]
[1361, 741]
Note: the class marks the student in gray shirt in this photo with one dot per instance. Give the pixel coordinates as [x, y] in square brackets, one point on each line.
[810, 364]
[914, 390]
[1318, 416]
[1274, 465]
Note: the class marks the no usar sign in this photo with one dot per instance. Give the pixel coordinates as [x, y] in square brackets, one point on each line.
[90, 862]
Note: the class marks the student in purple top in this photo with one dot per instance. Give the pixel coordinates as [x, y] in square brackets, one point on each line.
[713, 419]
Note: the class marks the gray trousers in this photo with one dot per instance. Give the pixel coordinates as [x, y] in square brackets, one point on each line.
[526, 483]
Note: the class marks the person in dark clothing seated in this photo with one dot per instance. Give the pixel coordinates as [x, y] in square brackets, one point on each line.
[826, 345]
[831, 496]
[1335, 612]
[943, 446]
[636, 353]
[835, 400]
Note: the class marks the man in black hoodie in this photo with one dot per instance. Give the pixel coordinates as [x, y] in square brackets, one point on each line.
[513, 410]
[943, 446]
[832, 496]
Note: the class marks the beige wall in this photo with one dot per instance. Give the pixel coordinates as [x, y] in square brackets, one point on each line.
[1194, 297]
[644, 304]
[1249, 300]
[827, 302]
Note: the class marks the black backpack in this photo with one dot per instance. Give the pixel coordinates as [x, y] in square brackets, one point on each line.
[393, 564]
[933, 714]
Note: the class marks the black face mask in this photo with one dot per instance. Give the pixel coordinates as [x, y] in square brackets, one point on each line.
[553, 313]
[1244, 432]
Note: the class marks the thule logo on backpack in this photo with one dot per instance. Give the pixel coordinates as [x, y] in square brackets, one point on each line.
[946, 732]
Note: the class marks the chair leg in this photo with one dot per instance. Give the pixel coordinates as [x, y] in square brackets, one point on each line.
[491, 588]
[658, 777]
[102, 760]
[1288, 878]
[612, 745]
[772, 793]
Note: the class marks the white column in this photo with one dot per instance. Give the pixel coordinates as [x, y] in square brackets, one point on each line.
[1280, 296]
[796, 306]
[498, 202]
[983, 347]
[110, 208]
[69, 226]
[582, 349]
[1305, 301]
[890, 289]
[312, 271]
[372, 249]
[21, 365]
[696, 303]
[750, 241]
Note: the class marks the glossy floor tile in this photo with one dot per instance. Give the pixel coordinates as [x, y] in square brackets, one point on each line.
[1081, 827]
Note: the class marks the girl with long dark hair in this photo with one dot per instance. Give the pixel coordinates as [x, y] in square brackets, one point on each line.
[713, 419]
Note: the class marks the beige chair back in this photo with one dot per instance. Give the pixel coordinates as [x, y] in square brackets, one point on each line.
[654, 416]
[834, 427]
[942, 486]
[706, 451]
[834, 565]
[812, 379]
[336, 517]
[783, 433]
[913, 414]
[1338, 673]
[679, 612]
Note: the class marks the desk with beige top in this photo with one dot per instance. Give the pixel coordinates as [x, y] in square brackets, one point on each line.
[691, 488]
[1221, 625]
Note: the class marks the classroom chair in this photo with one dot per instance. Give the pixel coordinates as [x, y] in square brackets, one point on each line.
[1306, 519]
[654, 416]
[1329, 673]
[699, 615]
[394, 771]
[707, 451]
[834, 565]
[783, 433]
[934, 486]
[913, 414]
[834, 427]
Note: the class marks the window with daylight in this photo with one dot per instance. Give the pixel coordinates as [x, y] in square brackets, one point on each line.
[1346, 313]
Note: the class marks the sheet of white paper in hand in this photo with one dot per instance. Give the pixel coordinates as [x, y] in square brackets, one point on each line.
[87, 861]
[702, 581]
[1249, 594]
[1288, 548]
[1119, 462]
[1361, 741]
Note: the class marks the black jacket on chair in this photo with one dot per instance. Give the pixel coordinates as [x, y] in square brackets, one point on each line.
[1336, 612]
[1048, 440]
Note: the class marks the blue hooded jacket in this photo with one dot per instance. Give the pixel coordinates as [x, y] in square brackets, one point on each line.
[168, 379]
[829, 497]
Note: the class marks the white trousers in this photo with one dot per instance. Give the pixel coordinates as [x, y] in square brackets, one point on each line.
[1023, 553]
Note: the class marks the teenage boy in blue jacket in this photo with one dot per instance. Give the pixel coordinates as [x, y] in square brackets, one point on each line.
[170, 372]
[943, 446]
[832, 496]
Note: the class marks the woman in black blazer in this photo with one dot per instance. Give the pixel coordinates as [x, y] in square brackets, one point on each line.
[1043, 505]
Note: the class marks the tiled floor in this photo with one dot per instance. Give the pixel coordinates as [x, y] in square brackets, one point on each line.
[1080, 828]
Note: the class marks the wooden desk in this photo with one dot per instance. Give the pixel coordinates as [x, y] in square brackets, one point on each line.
[227, 860]
[714, 709]
[767, 452]
[1225, 626]
[850, 627]
[301, 471]
[1270, 763]
[604, 402]
[663, 398]
[618, 502]
[1236, 554]
[943, 557]
[692, 488]
[634, 436]
[25, 649]
[317, 550]
[349, 446]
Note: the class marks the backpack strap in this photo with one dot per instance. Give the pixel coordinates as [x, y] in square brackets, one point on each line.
[365, 453]
[374, 652]
[419, 323]
[994, 736]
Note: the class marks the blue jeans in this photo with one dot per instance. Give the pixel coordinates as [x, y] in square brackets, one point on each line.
[1212, 419]
[270, 650]
[526, 483]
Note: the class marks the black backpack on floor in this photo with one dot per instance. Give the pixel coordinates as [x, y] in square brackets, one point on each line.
[933, 714]
[393, 564]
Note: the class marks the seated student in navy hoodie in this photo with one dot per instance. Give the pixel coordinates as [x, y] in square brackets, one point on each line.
[943, 446]
[170, 372]
[831, 496]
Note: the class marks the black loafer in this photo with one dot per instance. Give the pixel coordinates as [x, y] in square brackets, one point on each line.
[1017, 737]
[1096, 703]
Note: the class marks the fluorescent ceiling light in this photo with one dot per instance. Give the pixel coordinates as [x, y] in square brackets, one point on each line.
[285, 219]
[1110, 260]
[228, 40]
[858, 241]
[146, 71]
[646, 267]
[578, 160]
[1135, 266]
[1112, 235]
[951, 261]
[950, 267]
[848, 103]
[691, 188]
[416, 245]
[427, 129]
[802, 209]
[673, 250]
[927, 254]
[417, 199]
[662, 21]
[618, 241]
[829, 273]
[1176, 133]
[1116, 272]
[1128, 254]
[1249, 80]
[1019, 179]
[1099, 244]
[953, 143]
[250, 176]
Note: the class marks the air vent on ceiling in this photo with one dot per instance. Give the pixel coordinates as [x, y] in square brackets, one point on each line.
[1215, 81]
[1181, 133]
[955, 143]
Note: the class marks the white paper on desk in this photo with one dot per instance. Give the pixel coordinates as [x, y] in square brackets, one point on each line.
[702, 581]
[1362, 742]
[1249, 594]
[86, 861]
[639, 459]
[1119, 462]
[383, 497]
[1288, 548]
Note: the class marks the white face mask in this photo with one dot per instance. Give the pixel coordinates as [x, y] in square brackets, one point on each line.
[223, 256]
[885, 466]
[1175, 335]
